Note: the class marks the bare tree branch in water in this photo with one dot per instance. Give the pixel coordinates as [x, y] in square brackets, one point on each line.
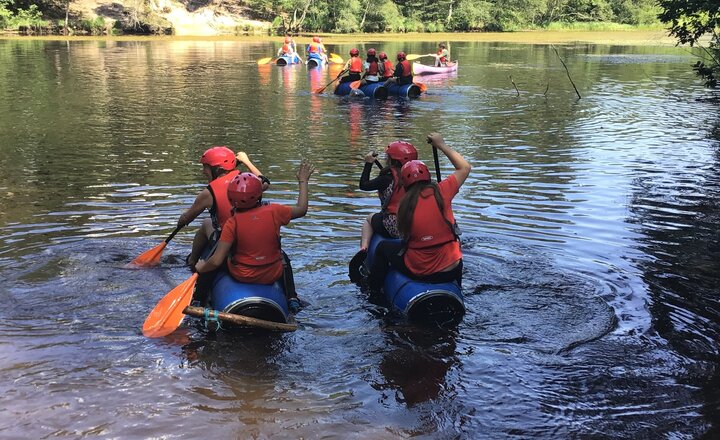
[566, 71]
[514, 85]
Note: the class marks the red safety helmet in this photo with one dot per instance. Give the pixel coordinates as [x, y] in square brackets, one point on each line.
[354, 52]
[401, 151]
[371, 52]
[401, 56]
[413, 172]
[245, 190]
[382, 56]
[222, 157]
[287, 39]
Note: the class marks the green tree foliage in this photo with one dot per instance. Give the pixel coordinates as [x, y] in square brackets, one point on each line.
[690, 21]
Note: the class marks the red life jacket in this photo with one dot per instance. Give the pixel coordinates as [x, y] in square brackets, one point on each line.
[356, 65]
[257, 239]
[429, 226]
[313, 48]
[373, 68]
[287, 48]
[442, 59]
[221, 209]
[391, 205]
[389, 68]
[407, 70]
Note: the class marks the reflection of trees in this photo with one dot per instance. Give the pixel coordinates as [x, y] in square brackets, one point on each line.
[679, 216]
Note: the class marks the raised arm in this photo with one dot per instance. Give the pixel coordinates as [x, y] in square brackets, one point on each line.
[243, 158]
[303, 176]
[462, 166]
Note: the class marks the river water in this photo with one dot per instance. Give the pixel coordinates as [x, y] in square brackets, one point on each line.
[590, 238]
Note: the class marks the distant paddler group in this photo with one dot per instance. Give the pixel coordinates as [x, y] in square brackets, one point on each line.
[316, 54]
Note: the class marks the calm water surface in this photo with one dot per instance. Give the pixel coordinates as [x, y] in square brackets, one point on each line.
[590, 239]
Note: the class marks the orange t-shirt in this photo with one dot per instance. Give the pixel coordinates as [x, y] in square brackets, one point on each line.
[430, 260]
[256, 236]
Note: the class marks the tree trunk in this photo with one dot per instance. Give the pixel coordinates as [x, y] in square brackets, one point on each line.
[67, 16]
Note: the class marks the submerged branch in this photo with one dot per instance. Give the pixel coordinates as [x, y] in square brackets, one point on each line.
[567, 72]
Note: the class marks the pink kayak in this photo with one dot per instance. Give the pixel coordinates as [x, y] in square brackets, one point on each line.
[423, 69]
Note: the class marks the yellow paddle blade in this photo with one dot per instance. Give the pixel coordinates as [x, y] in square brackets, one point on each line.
[412, 56]
[335, 58]
[262, 61]
[167, 315]
[148, 258]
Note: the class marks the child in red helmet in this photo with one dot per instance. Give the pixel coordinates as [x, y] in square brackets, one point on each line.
[219, 165]
[253, 233]
[389, 190]
[353, 67]
[316, 47]
[403, 72]
[386, 67]
[430, 250]
[288, 48]
[372, 68]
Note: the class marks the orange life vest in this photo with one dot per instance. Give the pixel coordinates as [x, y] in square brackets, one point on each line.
[257, 239]
[356, 65]
[287, 48]
[389, 68]
[221, 209]
[429, 226]
[443, 60]
[313, 48]
[373, 68]
[407, 70]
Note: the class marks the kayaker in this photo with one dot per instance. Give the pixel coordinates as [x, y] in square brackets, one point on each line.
[288, 49]
[372, 68]
[442, 56]
[389, 189]
[386, 66]
[253, 233]
[353, 66]
[403, 72]
[317, 48]
[219, 168]
[430, 250]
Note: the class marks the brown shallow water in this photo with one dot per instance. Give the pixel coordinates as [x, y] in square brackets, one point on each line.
[590, 242]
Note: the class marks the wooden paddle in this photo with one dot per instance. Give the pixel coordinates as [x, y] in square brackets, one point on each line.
[262, 61]
[151, 257]
[414, 56]
[322, 89]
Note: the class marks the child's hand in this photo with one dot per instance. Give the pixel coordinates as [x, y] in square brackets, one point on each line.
[199, 266]
[371, 156]
[242, 157]
[435, 139]
[304, 171]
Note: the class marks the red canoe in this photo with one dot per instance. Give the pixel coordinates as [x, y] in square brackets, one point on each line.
[423, 69]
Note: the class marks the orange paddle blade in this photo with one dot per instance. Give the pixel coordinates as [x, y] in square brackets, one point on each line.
[167, 315]
[148, 258]
[262, 61]
[355, 84]
[423, 87]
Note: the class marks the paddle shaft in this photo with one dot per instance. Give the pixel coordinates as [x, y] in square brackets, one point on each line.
[167, 240]
[437, 164]
[336, 78]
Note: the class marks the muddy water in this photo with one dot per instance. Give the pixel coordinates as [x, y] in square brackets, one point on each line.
[590, 243]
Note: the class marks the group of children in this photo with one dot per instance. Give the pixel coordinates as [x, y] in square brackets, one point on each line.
[315, 49]
[377, 67]
[247, 230]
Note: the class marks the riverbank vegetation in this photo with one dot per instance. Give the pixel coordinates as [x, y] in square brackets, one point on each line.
[338, 16]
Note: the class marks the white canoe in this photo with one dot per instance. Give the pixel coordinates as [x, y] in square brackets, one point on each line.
[423, 69]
